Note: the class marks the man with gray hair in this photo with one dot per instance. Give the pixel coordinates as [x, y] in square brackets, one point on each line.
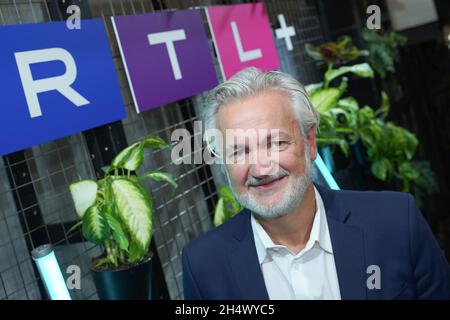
[294, 239]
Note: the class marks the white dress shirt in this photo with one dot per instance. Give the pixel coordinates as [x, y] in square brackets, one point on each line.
[310, 274]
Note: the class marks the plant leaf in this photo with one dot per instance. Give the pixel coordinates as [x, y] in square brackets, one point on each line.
[220, 212]
[84, 194]
[411, 144]
[380, 168]
[160, 176]
[362, 70]
[325, 99]
[365, 116]
[117, 232]
[107, 169]
[136, 252]
[313, 52]
[226, 193]
[408, 171]
[383, 111]
[329, 141]
[348, 103]
[135, 211]
[129, 158]
[383, 49]
[95, 227]
[74, 227]
[313, 87]
[154, 142]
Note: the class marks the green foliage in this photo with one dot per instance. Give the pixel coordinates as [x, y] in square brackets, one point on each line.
[159, 176]
[226, 207]
[426, 183]
[339, 116]
[383, 50]
[116, 212]
[335, 53]
[362, 70]
[389, 148]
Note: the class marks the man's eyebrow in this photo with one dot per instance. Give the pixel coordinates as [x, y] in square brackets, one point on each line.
[278, 134]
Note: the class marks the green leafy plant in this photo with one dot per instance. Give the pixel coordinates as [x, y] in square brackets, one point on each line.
[226, 207]
[389, 148]
[338, 115]
[383, 50]
[116, 211]
[335, 53]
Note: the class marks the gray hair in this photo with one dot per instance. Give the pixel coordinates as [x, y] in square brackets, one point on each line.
[252, 81]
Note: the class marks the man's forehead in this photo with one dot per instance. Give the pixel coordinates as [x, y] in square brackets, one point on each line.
[270, 110]
[258, 133]
[239, 138]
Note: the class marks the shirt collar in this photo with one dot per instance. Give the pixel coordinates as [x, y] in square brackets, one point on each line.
[319, 232]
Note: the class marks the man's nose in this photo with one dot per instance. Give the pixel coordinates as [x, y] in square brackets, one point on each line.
[261, 164]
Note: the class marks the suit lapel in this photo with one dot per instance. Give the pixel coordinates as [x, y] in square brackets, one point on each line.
[348, 250]
[244, 261]
[348, 247]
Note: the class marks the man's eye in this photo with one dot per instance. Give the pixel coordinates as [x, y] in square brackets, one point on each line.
[278, 144]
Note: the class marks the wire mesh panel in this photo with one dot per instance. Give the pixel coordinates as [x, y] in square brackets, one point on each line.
[35, 205]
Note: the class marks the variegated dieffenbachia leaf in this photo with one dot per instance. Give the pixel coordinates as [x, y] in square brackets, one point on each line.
[130, 158]
[95, 227]
[160, 176]
[154, 142]
[84, 194]
[327, 98]
[117, 232]
[136, 253]
[134, 208]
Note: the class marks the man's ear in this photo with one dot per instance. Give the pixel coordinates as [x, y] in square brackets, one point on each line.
[312, 143]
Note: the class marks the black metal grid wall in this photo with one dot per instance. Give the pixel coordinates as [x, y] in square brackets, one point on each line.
[35, 206]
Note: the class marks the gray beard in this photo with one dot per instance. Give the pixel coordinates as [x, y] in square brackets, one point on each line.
[296, 189]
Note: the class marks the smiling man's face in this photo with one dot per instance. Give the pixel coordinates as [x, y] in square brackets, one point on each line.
[273, 169]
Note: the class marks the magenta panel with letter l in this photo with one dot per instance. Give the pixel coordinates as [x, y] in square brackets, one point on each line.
[243, 37]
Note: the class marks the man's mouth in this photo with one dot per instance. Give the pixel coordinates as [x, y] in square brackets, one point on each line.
[269, 184]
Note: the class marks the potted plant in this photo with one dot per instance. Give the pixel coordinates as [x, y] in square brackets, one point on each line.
[117, 213]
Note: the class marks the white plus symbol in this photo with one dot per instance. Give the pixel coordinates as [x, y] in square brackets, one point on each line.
[285, 32]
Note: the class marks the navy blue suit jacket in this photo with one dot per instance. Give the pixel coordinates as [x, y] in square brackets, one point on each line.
[385, 229]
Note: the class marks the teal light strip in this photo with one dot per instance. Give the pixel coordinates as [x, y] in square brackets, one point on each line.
[50, 272]
[326, 173]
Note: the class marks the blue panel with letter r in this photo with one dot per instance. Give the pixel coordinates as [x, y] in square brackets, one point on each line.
[55, 82]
